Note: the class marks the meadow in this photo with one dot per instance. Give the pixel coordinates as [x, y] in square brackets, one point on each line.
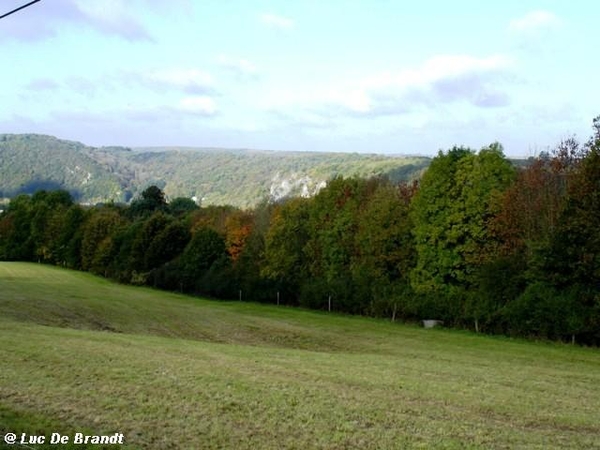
[80, 353]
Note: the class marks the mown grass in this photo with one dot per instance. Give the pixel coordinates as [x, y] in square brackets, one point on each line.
[80, 353]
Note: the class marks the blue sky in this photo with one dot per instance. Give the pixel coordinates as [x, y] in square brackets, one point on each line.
[377, 76]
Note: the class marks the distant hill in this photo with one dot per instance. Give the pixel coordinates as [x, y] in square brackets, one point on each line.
[30, 162]
[238, 177]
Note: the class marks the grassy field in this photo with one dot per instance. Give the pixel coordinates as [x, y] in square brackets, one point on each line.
[82, 354]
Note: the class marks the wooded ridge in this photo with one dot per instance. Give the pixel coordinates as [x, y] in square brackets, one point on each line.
[213, 176]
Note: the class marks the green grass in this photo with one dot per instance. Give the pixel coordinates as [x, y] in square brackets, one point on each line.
[168, 371]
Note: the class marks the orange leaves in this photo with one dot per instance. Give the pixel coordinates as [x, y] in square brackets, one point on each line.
[238, 227]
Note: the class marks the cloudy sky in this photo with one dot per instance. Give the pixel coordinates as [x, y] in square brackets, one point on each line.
[378, 76]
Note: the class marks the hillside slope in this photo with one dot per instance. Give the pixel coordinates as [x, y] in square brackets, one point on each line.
[32, 162]
[167, 371]
[214, 176]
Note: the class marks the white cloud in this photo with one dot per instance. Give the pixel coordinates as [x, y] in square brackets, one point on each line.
[106, 16]
[441, 79]
[533, 21]
[193, 81]
[305, 119]
[199, 104]
[43, 84]
[355, 100]
[150, 115]
[239, 66]
[438, 80]
[276, 21]
[107, 11]
[438, 68]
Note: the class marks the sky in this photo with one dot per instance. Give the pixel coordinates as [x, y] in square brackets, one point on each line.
[375, 76]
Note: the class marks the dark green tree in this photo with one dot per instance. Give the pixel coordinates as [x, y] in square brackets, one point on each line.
[285, 261]
[152, 199]
[385, 251]
[331, 249]
[572, 257]
[17, 243]
[205, 250]
[181, 206]
[151, 228]
[167, 244]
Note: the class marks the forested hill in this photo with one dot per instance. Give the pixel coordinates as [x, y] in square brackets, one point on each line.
[29, 162]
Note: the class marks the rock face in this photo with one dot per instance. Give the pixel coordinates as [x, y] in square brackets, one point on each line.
[295, 185]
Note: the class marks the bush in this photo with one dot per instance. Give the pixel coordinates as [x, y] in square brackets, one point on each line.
[546, 312]
[314, 294]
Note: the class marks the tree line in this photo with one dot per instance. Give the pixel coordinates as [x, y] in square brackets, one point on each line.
[477, 243]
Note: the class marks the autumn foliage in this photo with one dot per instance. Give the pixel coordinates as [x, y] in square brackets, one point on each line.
[476, 242]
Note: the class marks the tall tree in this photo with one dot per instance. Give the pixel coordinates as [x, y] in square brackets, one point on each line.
[571, 260]
[438, 222]
[385, 251]
[152, 227]
[15, 230]
[528, 212]
[205, 251]
[286, 263]
[333, 223]
[451, 215]
[167, 244]
[48, 222]
[97, 243]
